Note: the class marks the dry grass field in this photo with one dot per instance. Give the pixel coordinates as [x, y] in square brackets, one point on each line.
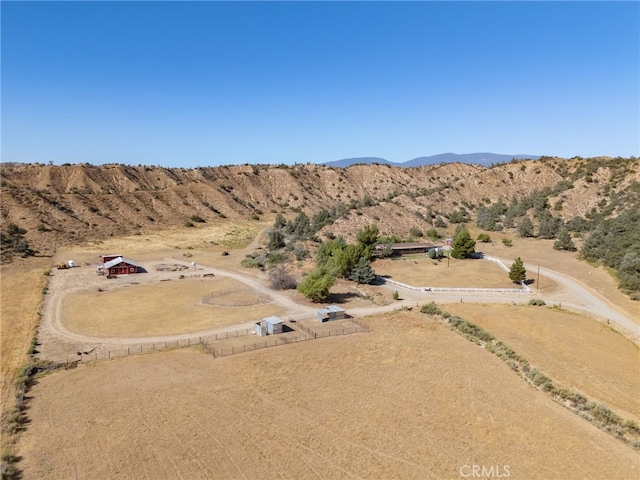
[21, 299]
[411, 399]
[167, 308]
[576, 351]
[421, 271]
[408, 400]
[541, 252]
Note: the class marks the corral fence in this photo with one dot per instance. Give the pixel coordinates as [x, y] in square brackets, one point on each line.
[523, 289]
[105, 353]
[215, 343]
[219, 350]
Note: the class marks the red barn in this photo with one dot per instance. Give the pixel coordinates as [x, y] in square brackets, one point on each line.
[108, 258]
[120, 266]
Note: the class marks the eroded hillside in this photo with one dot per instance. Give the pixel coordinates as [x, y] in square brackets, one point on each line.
[61, 205]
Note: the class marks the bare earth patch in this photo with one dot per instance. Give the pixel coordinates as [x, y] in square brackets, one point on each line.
[165, 308]
[411, 399]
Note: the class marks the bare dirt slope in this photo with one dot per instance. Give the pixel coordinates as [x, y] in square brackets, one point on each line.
[65, 205]
[409, 400]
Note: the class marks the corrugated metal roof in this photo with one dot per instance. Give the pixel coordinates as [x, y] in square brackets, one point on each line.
[335, 308]
[116, 261]
[412, 245]
[407, 246]
[331, 309]
[272, 320]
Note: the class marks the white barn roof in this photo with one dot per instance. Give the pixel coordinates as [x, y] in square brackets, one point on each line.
[117, 261]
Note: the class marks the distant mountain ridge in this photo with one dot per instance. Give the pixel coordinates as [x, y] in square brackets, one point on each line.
[484, 159]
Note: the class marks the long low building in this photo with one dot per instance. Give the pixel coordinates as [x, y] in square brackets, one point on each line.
[408, 247]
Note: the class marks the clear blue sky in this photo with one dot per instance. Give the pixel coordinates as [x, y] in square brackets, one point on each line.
[210, 83]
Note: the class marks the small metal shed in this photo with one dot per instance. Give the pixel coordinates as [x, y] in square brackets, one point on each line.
[332, 312]
[273, 325]
[261, 329]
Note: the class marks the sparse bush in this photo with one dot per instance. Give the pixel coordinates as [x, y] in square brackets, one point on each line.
[300, 253]
[276, 257]
[538, 302]
[396, 295]
[434, 234]
[604, 415]
[507, 242]
[474, 331]
[484, 238]
[189, 224]
[197, 219]
[415, 232]
[430, 309]
[253, 260]
[281, 279]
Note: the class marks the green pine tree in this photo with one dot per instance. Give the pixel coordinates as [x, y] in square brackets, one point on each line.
[362, 272]
[517, 272]
[316, 285]
[564, 241]
[525, 228]
[463, 245]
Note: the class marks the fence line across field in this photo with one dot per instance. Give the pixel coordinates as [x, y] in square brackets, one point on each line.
[156, 346]
[524, 289]
[282, 340]
[209, 342]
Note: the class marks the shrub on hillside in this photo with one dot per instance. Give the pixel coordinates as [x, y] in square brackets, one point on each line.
[430, 309]
[484, 238]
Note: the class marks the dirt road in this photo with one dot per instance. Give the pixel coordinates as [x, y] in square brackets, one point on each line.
[59, 342]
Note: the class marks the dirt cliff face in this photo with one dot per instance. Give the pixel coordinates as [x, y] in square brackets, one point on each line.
[73, 203]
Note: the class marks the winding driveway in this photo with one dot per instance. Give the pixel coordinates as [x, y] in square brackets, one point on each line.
[574, 295]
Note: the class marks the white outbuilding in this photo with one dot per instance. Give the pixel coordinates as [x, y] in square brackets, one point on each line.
[269, 326]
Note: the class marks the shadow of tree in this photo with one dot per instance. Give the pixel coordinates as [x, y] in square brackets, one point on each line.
[338, 298]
